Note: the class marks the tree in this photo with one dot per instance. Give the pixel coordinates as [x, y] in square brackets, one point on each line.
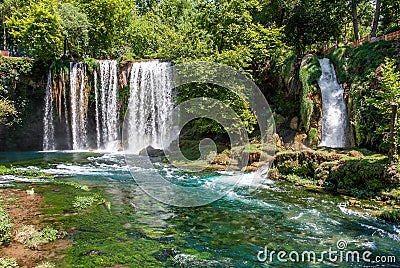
[314, 22]
[387, 102]
[37, 27]
[109, 20]
[390, 15]
[75, 26]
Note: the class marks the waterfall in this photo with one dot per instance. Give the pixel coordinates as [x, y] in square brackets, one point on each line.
[334, 110]
[109, 105]
[78, 110]
[66, 117]
[48, 126]
[96, 99]
[151, 102]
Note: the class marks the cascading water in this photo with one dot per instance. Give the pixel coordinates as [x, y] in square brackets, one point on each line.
[48, 126]
[150, 105]
[109, 133]
[149, 114]
[66, 117]
[78, 107]
[334, 110]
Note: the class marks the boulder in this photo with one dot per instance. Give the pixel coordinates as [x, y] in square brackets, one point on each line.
[152, 152]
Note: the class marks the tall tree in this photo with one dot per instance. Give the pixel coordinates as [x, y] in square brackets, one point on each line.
[75, 28]
[387, 102]
[37, 27]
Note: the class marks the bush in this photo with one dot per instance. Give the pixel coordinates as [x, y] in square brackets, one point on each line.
[83, 202]
[31, 237]
[5, 227]
[308, 76]
[8, 263]
[391, 215]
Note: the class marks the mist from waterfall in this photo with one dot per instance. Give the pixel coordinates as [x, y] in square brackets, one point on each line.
[334, 109]
[48, 125]
[149, 118]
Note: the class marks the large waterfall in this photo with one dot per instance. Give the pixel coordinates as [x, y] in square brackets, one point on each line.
[150, 105]
[89, 107]
[334, 110]
[48, 126]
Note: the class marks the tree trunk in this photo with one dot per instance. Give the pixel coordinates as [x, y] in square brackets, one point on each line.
[355, 19]
[376, 18]
[393, 134]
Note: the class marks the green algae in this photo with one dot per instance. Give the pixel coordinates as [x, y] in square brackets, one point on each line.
[101, 238]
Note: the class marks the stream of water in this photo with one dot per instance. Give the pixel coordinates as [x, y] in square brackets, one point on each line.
[233, 230]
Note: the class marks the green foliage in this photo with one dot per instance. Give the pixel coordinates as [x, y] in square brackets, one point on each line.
[312, 22]
[109, 21]
[357, 67]
[390, 16]
[7, 108]
[31, 237]
[5, 227]
[75, 28]
[25, 173]
[83, 202]
[308, 77]
[8, 263]
[37, 27]
[391, 215]
[91, 64]
[46, 265]
[313, 136]
[74, 184]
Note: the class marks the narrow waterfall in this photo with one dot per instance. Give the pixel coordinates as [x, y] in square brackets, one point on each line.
[151, 102]
[78, 106]
[97, 113]
[334, 110]
[108, 104]
[48, 125]
[66, 116]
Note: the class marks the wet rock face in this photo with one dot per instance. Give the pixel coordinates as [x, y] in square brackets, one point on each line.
[152, 152]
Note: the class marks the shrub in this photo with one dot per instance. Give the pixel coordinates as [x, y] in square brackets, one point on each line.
[8, 263]
[5, 227]
[45, 265]
[391, 215]
[83, 202]
[31, 237]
